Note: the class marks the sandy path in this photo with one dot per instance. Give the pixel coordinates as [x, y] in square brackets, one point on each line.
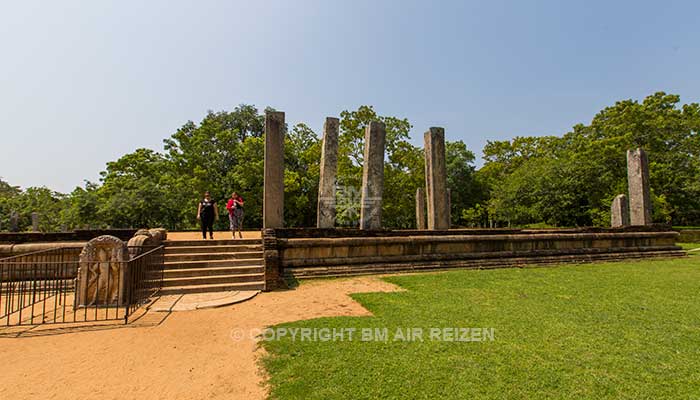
[187, 355]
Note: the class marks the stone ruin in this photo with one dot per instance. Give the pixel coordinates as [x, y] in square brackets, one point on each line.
[619, 212]
[324, 251]
[145, 240]
[102, 274]
[436, 180]
[329, 167]
[420, 208]
[436, 192]
[273, 186]
[638, 187]
[373, 176]
[636, 209]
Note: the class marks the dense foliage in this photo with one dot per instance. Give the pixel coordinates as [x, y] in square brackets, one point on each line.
[554, 181]
[571, 180]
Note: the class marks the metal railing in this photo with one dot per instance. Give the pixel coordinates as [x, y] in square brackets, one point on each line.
[145, 278]
[41, 287]
[35, 285]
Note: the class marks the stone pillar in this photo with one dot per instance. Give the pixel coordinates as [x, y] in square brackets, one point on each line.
[35, 222]
[436, 179]
[325, 212]
[449, 208]
[273, 197]
[638, 183]
[373, 176]
[14, 221]
[420, 208]
[271, 260]
[102, 275]
[619, 212]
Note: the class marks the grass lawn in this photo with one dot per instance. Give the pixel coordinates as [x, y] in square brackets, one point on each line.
[601, 331]
[689, 246]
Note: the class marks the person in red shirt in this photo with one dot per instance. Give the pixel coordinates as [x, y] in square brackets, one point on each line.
[235, 214]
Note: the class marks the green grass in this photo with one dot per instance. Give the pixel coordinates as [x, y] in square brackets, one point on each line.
[689, 246]
[601, 331]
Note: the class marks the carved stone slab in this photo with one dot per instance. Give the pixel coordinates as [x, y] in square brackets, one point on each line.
[102, 273]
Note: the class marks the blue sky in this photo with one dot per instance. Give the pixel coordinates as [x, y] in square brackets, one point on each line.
[84, 82]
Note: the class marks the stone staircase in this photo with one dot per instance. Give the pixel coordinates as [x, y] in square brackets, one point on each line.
[199, 266]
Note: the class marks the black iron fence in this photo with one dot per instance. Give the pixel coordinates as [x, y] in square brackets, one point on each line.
[145, 278]
[43, 287]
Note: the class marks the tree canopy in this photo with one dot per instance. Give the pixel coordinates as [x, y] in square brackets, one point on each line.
[537, 180]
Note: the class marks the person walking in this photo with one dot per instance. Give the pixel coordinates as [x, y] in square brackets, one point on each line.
[207, 213]
[235, 214]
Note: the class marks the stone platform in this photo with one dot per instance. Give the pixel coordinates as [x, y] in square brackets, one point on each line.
[303, 253]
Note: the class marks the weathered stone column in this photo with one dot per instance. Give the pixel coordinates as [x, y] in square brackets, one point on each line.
[14, 221]
[35, 222]
[619, 212]
[638, 183]
[325, 212]
[420, 208]
[436, 179]
[273, 197]
[449, 208]
[373, 176]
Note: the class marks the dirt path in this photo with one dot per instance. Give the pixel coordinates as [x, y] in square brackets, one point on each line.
[184, 355]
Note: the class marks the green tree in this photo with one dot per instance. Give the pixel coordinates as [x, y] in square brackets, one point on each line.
[301, 176]
[570, 181]
[402, 171]
[466, 191]
[136, 192]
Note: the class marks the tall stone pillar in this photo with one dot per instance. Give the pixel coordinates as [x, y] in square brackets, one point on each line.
[449, 208]
[325, 212]
[420, 208]
[14, 221]
[638, 183]
[619, 212]
[436, 179]
[35, 222]
[273, 197]
[373, 176]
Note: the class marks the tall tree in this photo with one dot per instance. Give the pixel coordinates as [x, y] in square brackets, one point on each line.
[401, 160]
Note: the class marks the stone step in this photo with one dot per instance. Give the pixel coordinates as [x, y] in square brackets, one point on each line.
[213, 263]
[213, 256]
[212, 280]
[212, 249]
[506, 262]
[223, 242]
[205, 288]
[195, 272]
